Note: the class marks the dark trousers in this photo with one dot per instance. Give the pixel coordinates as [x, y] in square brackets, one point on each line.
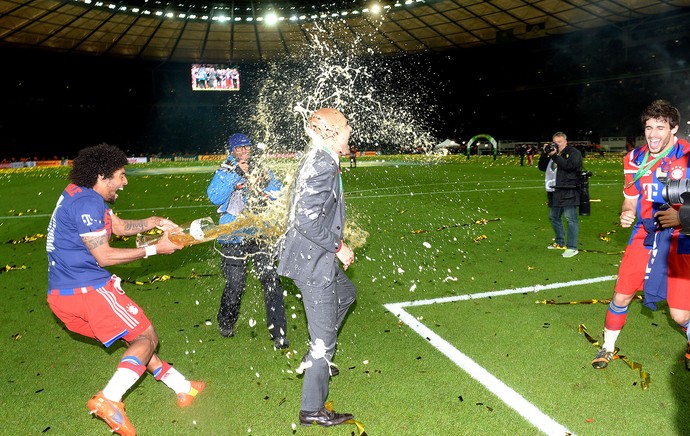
[326, 308]
[234, 264]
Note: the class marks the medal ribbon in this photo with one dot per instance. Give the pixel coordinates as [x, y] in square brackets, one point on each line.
[646, 166]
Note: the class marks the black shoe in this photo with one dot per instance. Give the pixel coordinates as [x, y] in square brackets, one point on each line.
[227, 332]
[323, 417]
[281, 343]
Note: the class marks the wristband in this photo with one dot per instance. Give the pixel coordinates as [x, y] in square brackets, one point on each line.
[150, 251]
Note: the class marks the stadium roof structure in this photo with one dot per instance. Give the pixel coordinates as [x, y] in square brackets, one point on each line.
[258, 30]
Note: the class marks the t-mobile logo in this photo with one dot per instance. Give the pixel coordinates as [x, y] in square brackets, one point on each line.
[87, 219]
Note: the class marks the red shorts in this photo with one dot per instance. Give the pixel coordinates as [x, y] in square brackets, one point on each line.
[104, 313]
[633, 269]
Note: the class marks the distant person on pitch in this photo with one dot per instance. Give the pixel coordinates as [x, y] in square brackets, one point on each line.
[312, 253]
[89, 299]
[562, 165]
[242, 184]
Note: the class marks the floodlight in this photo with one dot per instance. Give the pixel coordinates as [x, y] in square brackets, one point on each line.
[271, 18]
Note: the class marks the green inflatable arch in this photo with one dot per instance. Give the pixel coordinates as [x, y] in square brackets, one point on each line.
[494, 145]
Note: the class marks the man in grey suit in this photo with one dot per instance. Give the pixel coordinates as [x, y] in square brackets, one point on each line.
[311, 255]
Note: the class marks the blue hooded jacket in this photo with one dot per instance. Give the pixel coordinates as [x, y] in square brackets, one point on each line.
[228, 190]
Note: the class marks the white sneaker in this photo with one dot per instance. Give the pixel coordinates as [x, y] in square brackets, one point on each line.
[570, 252]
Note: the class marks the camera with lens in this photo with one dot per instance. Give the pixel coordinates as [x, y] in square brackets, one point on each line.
[548, 148]
[678, 192]
[673, 190]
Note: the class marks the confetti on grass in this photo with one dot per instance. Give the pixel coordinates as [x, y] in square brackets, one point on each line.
[7, 268]
[644, 376]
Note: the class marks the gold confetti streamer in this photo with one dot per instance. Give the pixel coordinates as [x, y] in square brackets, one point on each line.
[15, 213]
[165, 277]
[27, 239]
[593, 301]
[617, 253]
[360, 426]
[479, 238]
[480, 221]
[7, 268]
[644, 375]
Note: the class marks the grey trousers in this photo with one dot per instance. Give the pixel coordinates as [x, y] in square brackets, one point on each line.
[326, 308]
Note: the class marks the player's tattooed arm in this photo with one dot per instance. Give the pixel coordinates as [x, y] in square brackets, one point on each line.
[105, 255]
[93, 242]
[132, 227]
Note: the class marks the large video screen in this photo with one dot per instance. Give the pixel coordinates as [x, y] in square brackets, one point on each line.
[215, 77]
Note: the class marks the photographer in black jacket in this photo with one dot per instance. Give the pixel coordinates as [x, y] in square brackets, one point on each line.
[562, 165]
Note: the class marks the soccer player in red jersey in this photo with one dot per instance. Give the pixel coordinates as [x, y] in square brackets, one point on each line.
[90, 300]
[657, 258]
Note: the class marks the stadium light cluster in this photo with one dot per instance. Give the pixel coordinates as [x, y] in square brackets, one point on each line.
[270, 15]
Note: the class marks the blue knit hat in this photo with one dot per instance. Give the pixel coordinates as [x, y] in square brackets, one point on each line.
[238, 140]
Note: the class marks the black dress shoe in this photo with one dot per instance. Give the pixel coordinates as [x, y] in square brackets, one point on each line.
[323, 417]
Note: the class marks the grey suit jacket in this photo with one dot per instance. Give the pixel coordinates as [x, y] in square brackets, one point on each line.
[315, 221]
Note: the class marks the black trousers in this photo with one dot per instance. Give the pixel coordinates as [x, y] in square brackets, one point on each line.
[234, 264]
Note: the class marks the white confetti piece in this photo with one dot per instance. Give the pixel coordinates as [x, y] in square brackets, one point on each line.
[427, 245]
[252, 322]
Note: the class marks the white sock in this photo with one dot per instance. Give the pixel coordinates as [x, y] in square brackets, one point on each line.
[176, 381]
[610, 337]
[122, 380]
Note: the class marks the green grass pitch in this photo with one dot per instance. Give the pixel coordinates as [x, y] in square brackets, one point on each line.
[438, 228]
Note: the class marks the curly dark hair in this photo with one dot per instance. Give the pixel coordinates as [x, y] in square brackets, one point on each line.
[99, 160]
[661, 110]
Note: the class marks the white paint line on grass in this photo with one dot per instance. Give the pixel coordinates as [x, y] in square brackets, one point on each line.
[535, 288]
[511, 398]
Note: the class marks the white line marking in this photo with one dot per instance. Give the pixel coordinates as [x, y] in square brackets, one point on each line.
[511, 398]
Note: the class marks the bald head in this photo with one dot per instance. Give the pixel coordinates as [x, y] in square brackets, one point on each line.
[330, 126]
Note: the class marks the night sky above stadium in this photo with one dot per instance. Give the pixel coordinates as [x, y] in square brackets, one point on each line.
[586, 85]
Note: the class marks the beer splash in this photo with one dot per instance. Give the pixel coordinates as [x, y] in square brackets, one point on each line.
[384, 109]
